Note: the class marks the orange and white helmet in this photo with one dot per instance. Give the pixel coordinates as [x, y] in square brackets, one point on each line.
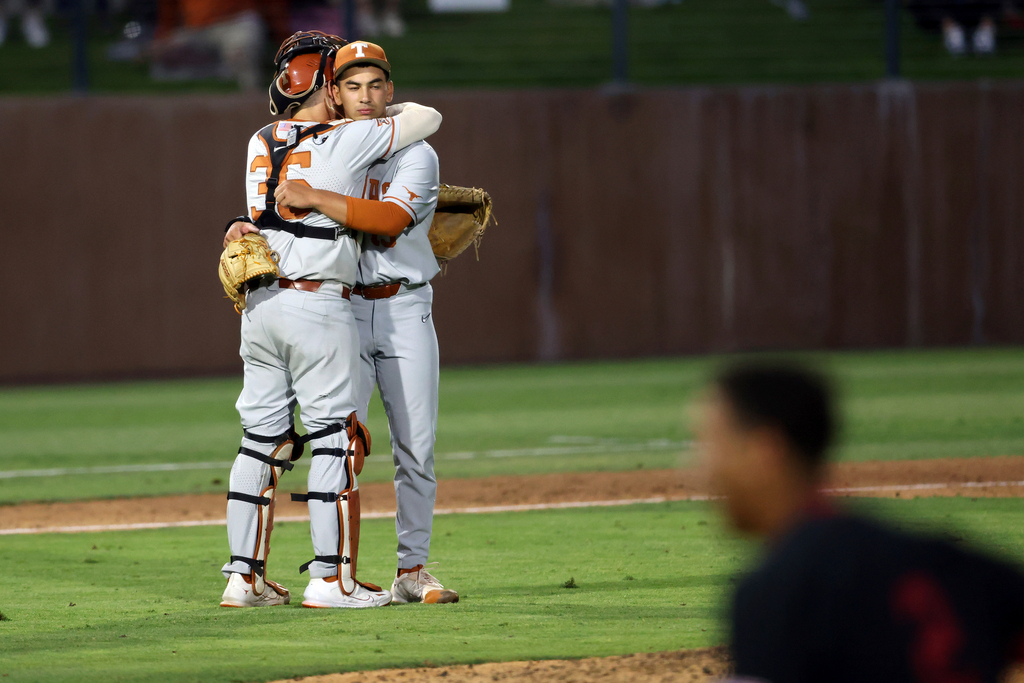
[304, 62]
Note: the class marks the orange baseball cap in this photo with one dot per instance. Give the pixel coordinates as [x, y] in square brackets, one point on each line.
[360, 52]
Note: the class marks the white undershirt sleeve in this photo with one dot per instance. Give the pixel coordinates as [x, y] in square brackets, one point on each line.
[417, 123]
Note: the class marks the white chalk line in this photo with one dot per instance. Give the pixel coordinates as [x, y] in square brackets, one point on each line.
[604, 446]
[365, 515]
[504, 508]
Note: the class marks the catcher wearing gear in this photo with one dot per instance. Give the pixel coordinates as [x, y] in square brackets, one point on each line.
[410, 224]
[290, 274]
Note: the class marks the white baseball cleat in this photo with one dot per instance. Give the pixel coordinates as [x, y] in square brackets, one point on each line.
[419, 586]
[323, 593]
[238, 593]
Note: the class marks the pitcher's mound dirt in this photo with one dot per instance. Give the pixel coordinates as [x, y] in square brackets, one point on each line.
[684, 666]
[1001, 476]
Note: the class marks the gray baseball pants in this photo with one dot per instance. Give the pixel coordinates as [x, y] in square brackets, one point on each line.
[297, 347]
[398, 353]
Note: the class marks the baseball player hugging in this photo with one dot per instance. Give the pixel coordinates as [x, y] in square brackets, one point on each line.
[392, 305]
[299, 338]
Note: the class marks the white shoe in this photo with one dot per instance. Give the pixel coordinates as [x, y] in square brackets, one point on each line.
[984, 39]
[392, 25]
[34, 28]
[420, 586]
[239, 594]
[322, 593]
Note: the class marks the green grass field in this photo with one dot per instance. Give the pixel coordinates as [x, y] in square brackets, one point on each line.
[648, 577]
[501, 420]
[540, 43]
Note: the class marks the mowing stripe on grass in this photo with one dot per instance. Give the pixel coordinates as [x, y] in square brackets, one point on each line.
[605, 446]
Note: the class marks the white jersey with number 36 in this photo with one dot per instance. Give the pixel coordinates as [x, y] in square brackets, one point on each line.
[334, 160]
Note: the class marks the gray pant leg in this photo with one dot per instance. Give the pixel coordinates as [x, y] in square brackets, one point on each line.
[327, 474]
[252, 477]
[265, 407]
[407, 374]
[367, 375]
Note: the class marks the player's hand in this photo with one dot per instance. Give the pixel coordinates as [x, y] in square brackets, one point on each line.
[296, 195]
[237, 229]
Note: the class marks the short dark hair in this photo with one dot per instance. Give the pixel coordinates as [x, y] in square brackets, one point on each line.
[795, 400]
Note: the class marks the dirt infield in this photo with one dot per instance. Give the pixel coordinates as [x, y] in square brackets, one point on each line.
[685, 666]
[1001, 476]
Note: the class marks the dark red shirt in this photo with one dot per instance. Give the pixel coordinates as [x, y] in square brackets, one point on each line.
[845, 599]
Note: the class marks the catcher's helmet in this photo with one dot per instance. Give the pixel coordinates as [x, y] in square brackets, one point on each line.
[304, 63]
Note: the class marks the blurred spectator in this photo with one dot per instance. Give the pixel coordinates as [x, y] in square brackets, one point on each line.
[956, 18]
[328, 17]
[795, 8]
[388, 21]
[211, 38]
[839, 598]
[32, 25]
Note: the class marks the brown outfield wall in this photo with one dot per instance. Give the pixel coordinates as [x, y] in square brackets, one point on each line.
[654, 222]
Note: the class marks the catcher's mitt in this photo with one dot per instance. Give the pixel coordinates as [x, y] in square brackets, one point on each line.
[460, 220]
[247, 263]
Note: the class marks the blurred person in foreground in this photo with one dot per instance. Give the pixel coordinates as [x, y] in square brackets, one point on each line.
[837, 597]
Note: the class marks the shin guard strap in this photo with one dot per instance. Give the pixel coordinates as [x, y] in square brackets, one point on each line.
[318, 495]
[257, 565]
[255, 500]
[336, 452]
[329, 559]
[326, 431]
[273, 462]
[259, 438]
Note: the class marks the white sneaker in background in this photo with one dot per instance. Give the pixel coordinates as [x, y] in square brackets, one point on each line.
[984, 39]
[323, 593]
[953, 38]
[392, 25]
[238, 593]
[419, 586]
[34, 28]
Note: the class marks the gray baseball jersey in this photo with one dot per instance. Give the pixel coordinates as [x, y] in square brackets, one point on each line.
[410, 180]
[397, 342]
[334, 160]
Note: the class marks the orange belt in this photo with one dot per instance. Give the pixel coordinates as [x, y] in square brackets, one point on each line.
[307, 286]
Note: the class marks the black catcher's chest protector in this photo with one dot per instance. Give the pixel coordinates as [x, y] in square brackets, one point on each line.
[269, 219]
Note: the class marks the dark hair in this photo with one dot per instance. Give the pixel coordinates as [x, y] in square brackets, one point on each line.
[796, 401]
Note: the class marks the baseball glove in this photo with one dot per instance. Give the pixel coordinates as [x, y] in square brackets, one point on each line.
[461, 217]
[246, 264]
